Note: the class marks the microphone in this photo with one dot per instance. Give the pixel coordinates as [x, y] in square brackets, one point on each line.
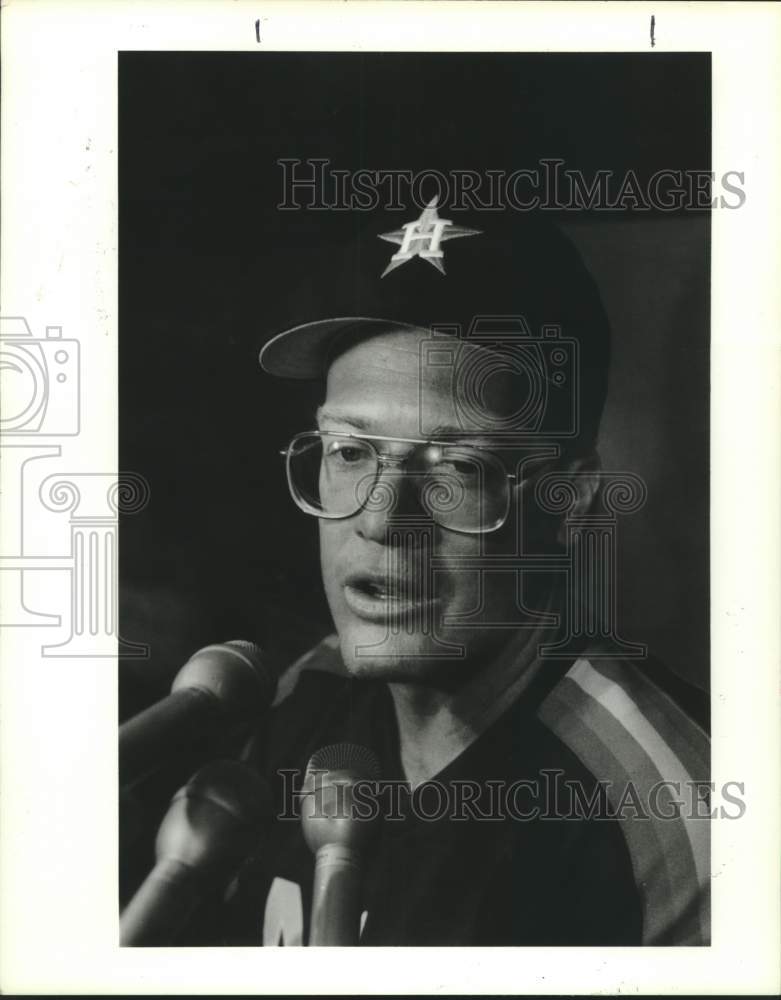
[338, 836]
[220, 684]
[212, 825]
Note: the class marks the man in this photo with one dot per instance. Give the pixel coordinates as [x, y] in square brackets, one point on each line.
[464, 373]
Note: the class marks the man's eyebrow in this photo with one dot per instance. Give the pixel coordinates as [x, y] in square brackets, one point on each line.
[328, 416]
[449, 431]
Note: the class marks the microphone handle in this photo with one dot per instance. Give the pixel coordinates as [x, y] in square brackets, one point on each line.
[336, 897]
[161, 907]
[173, 724]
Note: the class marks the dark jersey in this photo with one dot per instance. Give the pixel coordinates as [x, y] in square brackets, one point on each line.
[575, 819]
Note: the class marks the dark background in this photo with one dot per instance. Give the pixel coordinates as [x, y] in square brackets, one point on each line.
[221, 552]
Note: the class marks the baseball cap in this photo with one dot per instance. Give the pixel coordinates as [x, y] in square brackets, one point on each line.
[504, 280]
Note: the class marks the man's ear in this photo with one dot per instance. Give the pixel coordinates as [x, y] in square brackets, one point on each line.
[585, 470]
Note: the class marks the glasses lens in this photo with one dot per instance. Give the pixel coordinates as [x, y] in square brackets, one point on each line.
[329, 475]
[462, 489]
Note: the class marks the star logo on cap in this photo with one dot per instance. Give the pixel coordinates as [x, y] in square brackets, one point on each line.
[422, 238]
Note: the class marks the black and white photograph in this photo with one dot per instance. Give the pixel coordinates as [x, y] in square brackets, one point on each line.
[389, 449]
[428, 427]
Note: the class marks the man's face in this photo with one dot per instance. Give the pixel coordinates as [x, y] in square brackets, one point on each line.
[390, 611]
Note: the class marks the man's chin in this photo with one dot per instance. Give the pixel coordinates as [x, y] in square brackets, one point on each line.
[376, 653]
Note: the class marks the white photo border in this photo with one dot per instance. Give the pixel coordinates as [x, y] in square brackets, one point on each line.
[58, 914]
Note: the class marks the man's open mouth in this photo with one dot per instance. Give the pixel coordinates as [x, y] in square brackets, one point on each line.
[377, 598]
[374, 588]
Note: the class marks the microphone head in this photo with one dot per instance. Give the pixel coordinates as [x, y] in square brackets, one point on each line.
[216, 820]
[330, 812]
[352, 758]
[235, 673]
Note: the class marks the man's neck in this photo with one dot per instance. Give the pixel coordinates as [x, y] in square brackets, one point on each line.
[436, 725]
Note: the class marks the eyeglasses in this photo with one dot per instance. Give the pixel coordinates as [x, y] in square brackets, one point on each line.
[463, 487]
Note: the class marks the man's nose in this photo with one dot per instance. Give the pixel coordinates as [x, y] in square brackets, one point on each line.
[392, 496]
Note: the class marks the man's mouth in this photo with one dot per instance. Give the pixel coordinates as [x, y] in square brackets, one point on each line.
[375, 597]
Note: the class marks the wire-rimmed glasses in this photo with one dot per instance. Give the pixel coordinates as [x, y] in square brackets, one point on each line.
[462, 486]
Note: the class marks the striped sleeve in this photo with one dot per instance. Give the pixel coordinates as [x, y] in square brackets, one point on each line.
[654, 762]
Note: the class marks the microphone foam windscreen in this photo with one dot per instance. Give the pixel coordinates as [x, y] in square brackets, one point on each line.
[359, 761]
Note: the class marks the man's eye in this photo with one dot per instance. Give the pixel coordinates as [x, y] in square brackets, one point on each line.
[345, 454]
[458, 468]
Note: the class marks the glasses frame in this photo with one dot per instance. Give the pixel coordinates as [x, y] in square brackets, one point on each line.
[387, 461]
